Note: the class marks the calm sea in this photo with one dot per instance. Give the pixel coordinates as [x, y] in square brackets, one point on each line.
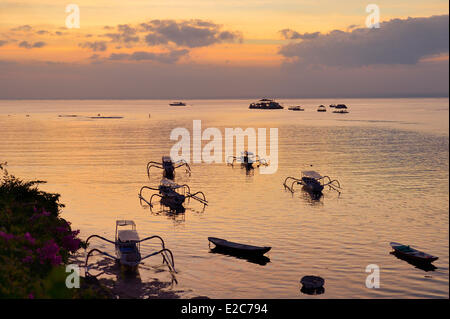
[391, 157]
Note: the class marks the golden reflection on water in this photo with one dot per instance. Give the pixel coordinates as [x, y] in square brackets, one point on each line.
[391, 157]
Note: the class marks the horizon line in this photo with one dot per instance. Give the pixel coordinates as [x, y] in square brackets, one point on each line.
[446, 95]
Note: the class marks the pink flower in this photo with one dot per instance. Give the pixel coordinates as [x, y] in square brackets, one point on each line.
[30, 296]
[6, 236]
[71, 243]
[30, 239]
[49, 253]
[37, 215]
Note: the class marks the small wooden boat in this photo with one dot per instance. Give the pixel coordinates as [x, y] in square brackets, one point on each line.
[410, 253]
[238, 248]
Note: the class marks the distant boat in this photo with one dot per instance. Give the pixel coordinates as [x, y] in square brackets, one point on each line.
[341, 111]
[340, 108]
[105, 117]
[238, 248]
[332, 105]
[321, 108]
[265, 104]
[177, 104]
[296, 108]
[412, 254]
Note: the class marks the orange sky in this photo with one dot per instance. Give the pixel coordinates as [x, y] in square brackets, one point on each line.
[258, 21]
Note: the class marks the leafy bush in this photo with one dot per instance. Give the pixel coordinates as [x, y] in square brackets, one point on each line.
[35, 242]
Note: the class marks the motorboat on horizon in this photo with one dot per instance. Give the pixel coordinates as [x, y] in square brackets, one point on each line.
[321, 108]
[296, 108]
[266, 104]
[177, 104]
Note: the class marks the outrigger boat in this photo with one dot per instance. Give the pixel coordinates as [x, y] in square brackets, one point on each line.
[172, 195]
[128, 248]
[237, 248]
[265, 104]
[312, 182]
[247, 160]
[296, 108]
[412, 254]
[168, 166]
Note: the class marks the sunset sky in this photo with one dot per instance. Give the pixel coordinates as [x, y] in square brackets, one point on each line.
[222, 48]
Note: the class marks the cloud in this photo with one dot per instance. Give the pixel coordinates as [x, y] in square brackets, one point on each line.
[40, 32]
[293, 35]
[25, 27]
[27, 45]
[166, 57]
[188, 33]
[397, 41]
[3, 42]
[126, 34]
[94, 46]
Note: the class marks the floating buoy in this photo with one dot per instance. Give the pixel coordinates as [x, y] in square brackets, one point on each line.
[312, 285]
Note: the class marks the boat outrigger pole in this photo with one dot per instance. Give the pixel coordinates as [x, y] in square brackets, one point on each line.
[172, 194]
[168, 166]
[128, 248]
[312, 182]
[247, 159]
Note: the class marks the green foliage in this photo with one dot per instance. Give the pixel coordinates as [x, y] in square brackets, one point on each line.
[35, 242]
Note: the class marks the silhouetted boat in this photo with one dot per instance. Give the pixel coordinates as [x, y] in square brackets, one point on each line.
[177, 104]
[341, 111]
[312, 182]
[411, 253]
[237, 248]
[128, 247]
[265, 104]
[296, 108]
[321, 108]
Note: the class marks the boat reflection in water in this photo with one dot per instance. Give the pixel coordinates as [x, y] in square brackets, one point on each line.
[257, 259]
[129, 285]
[425, 266]
[311, 197]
